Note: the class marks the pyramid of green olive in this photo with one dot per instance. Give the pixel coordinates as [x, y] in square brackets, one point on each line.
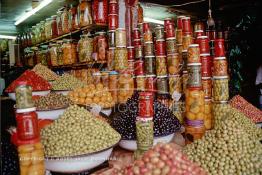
[77, 132]
[230, 148]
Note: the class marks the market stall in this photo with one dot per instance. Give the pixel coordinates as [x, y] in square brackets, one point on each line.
[109, 92]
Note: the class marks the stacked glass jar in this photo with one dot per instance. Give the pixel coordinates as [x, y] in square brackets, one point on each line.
[85, 48]
[144, 123]
[220, 77]
[30, 149]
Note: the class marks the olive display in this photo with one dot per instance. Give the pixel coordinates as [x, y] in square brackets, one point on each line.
[165, 122]
[232, 147]
[45, 72]
[67, 82]
[77, 132]
[52, 101]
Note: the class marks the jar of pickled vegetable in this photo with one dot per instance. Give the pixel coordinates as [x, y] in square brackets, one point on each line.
[31, 157]
[162, 85]
[73, 18]
[178, 109]
[194, 75]
[113, 86]
[175, 85]
[97, 77]
[125, 87]
[33, 35]
[209, 121]
[220, 88]
[173, 63]
[53, 54]
[23, 94]
[101, 45]
[161, 66]
[184, 80]
[59, 23]
[85, 48]
[69, 52]
[195, 109]
[100, 11]
[194, 129]
[85, 13]
[105, 79]
[65, 20]
[48, 32]
[60, 53]
[141, 82]
[120, 59]
[54, 27]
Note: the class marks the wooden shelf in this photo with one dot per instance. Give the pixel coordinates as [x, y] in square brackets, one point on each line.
[81, 65]
[87, 28]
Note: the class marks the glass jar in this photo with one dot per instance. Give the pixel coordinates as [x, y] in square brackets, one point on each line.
[96, 77]
[178, 109]
[31, 157]
[173, 63]
[60, 53]
[125, 87]
[194, 75]
[175, 85]
[110, 58]
[23, 95]
[208, 122]
[85, 48]
[65, 21]
[42, 30]
[54, 26]
[105, 79]
[184, 80]
[194, 130]
[100, 11]
[69, 52]
[59, 23]
[195, 109]
[150, 65]
[30, 56]
[162, 85]
[101, 45]
[37, 32]
[44, 56]
[29, 37]
[120, 59]
[85, 13]
[141, 83]
[161, 67]
[220, 88]
[113, 76]
[48, 29]
[73, 18]
[53, 54]
[34, 35]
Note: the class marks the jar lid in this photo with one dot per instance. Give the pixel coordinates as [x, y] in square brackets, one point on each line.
[184, 51]
[148, 76]
[160, 40]
[162, 76]
[113, 73]
[170, 38]
[111, 31]
[161, 56]
[219, 58]
[130, 47]
[25, 110]
[205, 54]
[193, 45]
[206, 78]
[202, 37]
[185, 72]
[186, 17]
[199, 31]
[181, 16]
[148, 42]
[152, 56]
[112, 14]
[168, 18]
[100, 33]
[220, 77]
[194, 64]
[140, 76]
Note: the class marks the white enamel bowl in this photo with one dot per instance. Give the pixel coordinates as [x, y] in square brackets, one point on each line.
[132, 146]
[64, 92]
[50, 114]
[41, 93]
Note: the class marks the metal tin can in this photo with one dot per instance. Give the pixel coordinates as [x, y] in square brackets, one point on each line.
[168, 21]
[138, 52]
[159, 31]
[137, 42]
[160, 47]
[162, 85]
[150, 83]
[113, 7]
[211, 34]
[120, 61]
[179, 36]
[194, 75]
[131, 67]
[131, 52]
[170, 31]
[150, 65]
[180, 22]
[187, 40]
[220, 88]
[206, 65]
[220, 66]
[164, 99]
[148, 48]
[184, 80]
[148, 36]
[112, 21]
[111, 38]
[120, 37]
[219, 48]
[141, 83]
[203, 44]
[110, 58]
[136, 33]
[175, 84]
[171, 46]
[198, 33]
[186, 24]
[139, 67]
[173, 64]
[161, 67]
[146, 108]
[184, 59]
[207, 86]
[193, 55]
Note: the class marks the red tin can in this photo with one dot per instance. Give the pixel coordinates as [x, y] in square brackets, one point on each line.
[168, 21]
[138, 51]
[113, 7]
[136, 34]
[27, 124]
[112, 21]
[219, 48]
[206, 65]
[146, 27]
[137, 42]
[160, 48]
[198, 33]
[220, 66]
[186, 24]
[139, 67]
[171, 46]
[100, 11]
[180, 22]
[203, 44]
[131, 52]
[146, 107]
[211, 34]
[131, 67]
[170, 31]
[151, 83]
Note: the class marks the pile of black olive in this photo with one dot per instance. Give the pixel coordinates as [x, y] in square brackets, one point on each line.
[165, 122]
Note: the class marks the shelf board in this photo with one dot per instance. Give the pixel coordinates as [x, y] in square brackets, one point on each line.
[79, 65]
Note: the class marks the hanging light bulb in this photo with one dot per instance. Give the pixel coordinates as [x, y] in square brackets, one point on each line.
[210, 20]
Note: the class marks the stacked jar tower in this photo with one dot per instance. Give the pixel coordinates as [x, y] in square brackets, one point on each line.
[194, 94]
[30, 149]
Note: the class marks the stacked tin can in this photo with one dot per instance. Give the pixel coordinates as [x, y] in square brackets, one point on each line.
[220, 77]
[144, 123]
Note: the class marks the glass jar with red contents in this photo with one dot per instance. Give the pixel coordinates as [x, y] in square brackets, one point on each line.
[100, 12]
[65, 21]
[85, 13]
[27, 124]
[73, 18]
[59, 23]
[54, 27]
[113, 7]
[101, 45]
[146, 108]
[140, 14]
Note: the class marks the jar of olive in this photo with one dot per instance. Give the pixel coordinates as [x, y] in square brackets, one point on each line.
[194, 129]
[220, 88]
[208, 122]
[141, 82]
[23, 94]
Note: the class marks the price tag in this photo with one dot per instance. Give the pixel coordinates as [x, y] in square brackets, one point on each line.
[176, 95]
[96, 109]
